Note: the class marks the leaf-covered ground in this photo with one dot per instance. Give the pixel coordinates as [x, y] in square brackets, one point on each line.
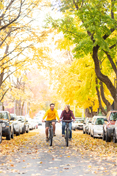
[30, 155]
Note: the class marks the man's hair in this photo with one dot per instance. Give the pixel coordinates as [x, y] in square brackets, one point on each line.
[52, 104]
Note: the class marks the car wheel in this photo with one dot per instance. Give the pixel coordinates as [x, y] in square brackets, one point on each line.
[103, 135]
[108, 139]
[8, 137]
[0, 138]
[83, 131]
[12, 135]
[27, 131]
[18, 133]
[23, 130]
[93, 135]
[114, 137]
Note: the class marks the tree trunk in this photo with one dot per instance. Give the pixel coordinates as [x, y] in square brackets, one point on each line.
[101, 76]
[99, 100]
[109, 107]
[22, 108]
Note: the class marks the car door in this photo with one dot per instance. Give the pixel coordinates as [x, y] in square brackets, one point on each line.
[10, 122]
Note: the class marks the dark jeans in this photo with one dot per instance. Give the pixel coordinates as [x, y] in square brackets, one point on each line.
[70, 128]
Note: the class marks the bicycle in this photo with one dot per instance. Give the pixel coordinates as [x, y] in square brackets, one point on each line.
[67, 131]
[50, 133]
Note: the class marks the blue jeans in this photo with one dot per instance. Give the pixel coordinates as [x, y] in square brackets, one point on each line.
[70, 128]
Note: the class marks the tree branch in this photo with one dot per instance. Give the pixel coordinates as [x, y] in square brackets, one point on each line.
[111, 61]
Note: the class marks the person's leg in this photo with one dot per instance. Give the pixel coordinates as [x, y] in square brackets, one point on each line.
[63, 128]
[53, 124]
[46, 131]
[70, 128]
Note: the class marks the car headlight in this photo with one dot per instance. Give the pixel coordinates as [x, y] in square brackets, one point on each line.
[3, 125]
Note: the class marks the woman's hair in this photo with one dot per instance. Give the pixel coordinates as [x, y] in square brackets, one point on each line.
[68, 106]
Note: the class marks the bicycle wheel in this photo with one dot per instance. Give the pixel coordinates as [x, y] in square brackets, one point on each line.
[67, 137]
[51, 135]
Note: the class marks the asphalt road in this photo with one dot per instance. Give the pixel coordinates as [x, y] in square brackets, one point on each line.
[38, 158]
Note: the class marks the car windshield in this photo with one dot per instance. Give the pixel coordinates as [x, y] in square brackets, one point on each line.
[113, 116]
[99, 121]
[3, 115]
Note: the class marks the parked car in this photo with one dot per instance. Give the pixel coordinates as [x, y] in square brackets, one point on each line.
[31, 126]
[86, 125]
[26, 124]
[1, 121]
[16, 124]
[38, 119]
[115, 133]
[109, 126]
[7, 125]
[97, 126]
[78, 124]
[23, 123]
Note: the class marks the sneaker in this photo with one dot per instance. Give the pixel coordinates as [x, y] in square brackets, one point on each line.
[54, 134]
[47, 139]
[63, 135]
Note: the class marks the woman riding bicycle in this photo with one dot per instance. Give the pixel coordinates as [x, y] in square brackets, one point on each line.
[67, 114]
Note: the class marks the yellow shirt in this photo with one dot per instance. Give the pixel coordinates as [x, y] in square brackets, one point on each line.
[51, 115]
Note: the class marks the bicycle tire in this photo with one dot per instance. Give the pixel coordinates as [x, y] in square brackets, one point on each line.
[67, 137]
[51, 136]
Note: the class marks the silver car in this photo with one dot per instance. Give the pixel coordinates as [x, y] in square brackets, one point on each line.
[97, 126]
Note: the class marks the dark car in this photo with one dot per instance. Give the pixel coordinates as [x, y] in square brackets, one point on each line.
[109, 126]
[1, 121]
[7, 125]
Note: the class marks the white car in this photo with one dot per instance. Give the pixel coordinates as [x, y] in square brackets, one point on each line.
[97, 126]
[78, 124]
[86, 124]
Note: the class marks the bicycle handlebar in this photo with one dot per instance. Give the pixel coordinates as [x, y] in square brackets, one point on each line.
[67, 120]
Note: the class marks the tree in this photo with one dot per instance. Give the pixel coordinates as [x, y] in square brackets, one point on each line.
[18, 38]
[90, 26]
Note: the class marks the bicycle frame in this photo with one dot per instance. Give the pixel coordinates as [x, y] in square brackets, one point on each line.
[67, 131]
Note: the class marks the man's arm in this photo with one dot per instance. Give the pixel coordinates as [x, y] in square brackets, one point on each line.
[57, 116]
[45, 115]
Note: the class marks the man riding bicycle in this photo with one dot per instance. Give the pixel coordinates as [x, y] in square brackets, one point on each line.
[67, 115]
[51, 115]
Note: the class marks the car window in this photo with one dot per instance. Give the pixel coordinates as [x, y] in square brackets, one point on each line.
[3, 115]
[99, 121]
[113, 116]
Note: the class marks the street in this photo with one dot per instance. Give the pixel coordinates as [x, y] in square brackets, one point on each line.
[36, 157]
